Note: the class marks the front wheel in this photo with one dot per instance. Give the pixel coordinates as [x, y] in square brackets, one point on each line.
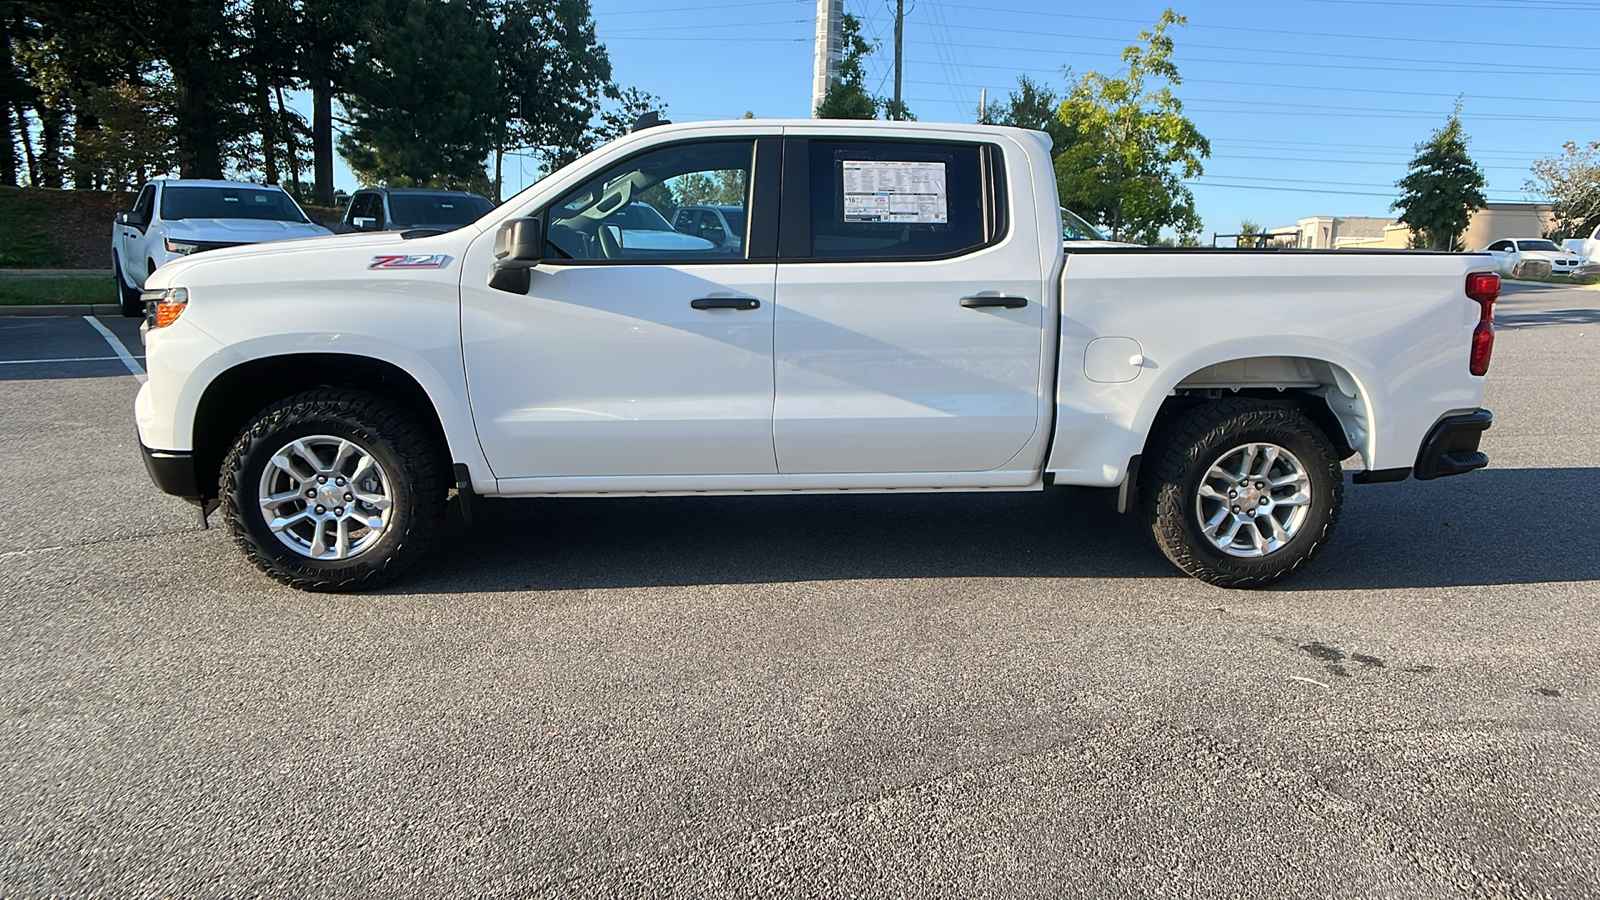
[1243, 492]
[334, 490]
[127, 297]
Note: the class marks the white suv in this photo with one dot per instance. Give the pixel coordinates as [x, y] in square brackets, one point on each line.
[172, 219]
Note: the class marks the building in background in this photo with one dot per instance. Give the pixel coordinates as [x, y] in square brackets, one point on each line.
[1493, 222]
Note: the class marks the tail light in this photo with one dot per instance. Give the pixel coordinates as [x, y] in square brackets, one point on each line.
[1484, 287]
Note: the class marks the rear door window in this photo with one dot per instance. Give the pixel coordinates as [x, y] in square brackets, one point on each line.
[896, 200]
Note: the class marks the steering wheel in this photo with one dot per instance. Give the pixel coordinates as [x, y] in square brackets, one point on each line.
[610, 247]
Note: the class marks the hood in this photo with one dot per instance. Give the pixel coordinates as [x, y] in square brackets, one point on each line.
[1551, 255]
[662, 240]
[376, 240]
[241, 231]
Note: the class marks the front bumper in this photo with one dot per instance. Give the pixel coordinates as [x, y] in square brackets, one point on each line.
[174, 473]
[1452, 446]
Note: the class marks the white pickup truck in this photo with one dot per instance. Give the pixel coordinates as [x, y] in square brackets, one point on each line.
[900, 315]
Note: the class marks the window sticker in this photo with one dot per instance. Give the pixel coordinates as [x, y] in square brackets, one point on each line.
[895, 192]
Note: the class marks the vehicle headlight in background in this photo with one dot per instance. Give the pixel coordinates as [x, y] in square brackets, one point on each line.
[163, 307]
[180, 247]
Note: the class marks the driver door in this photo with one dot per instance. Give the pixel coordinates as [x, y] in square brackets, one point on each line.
[637, 350]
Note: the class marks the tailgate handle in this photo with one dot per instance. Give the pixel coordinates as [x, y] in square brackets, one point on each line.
[1007, 302]
[726, 303]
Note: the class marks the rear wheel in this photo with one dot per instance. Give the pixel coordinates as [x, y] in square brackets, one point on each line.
[334, 490]
[127, 297]
[1243, 492]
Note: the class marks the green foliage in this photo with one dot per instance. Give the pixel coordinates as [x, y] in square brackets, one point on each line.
[554, 74]
[50, 290]
[21, 246]
[848, 98]
[1128, 145]
[420, 92]
[1442, 189]
[725, 187]
[1570, 183]
[618, 120]
[1033, 106]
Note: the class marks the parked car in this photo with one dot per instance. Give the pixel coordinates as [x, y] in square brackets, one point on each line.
[1586, 247]
[909, 321]
[721, 225]
[174, 219]
[403, 209]
[1077, 232]
[1532, 258]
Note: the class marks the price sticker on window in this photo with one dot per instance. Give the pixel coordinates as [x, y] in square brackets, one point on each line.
[895, 192]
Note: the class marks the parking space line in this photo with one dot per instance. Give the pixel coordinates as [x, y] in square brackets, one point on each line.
[121, 351]
[30, 362]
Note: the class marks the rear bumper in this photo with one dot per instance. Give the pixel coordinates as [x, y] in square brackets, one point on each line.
[174, 473]
[1452, 446]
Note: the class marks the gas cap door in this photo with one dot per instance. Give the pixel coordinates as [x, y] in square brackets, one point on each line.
[1113, 360]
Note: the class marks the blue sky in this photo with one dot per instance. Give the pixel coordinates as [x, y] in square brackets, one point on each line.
[1312, 107]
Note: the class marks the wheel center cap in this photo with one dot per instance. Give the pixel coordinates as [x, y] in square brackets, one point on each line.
[330, 495]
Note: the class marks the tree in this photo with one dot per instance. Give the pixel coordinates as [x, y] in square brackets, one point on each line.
[1129, 146]
[619, 120]
[421, 90]
[1033, 106]
[554, 73]
[1570, 183]
[1442, 189]
[848, 97]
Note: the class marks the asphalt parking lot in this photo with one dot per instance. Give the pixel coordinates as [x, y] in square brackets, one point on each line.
[962, 695]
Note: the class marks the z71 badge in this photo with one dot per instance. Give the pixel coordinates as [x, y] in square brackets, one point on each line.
[424, 261]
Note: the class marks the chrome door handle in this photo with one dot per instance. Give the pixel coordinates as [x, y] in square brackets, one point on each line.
[981, 302]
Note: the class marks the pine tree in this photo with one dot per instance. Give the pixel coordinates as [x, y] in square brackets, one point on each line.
[1442, 189]
[420, 94]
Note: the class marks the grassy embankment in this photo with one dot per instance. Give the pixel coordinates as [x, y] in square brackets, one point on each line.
[27, 290]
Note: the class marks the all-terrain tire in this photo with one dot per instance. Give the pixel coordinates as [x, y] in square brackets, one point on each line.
[127, 298]
[407, 469]
[1216, 435]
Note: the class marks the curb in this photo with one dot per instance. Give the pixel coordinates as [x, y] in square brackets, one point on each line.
[63, 309]
[55, 273]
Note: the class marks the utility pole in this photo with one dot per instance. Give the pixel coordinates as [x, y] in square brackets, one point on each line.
[825, 72]
[983, 107]
[899, 31]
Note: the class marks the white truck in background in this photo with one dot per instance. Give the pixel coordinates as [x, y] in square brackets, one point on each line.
[899, 315]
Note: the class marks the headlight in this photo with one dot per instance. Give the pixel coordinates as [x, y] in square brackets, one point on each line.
[163, 307]
[180, 247]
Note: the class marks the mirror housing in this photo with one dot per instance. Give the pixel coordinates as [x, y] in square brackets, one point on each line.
[518, 247]
[365, 223]
[122, 218]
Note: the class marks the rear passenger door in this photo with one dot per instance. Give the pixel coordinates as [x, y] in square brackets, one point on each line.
[910, 330]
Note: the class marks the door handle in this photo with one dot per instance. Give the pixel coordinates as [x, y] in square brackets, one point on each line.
[726, 303]
[1007, 302]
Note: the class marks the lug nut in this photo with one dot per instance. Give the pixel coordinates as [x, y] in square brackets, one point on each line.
[349, 497]
[338, 510]
[339, 482]
[1235, 509]
[1232, 494]
[321, 510]
[1264, 501]
[311, 492]
[322, 479]
[1259, 485]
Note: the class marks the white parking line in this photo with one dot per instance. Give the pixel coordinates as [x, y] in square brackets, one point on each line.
[121, 351]
[27, 362]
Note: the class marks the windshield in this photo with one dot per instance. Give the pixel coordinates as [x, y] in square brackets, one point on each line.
[228, 203]
[1537, 245]
[436, 209]
[1076, 229]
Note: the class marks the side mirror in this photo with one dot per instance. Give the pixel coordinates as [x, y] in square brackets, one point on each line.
[122, 218]
[518, 247]
[365, 223]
